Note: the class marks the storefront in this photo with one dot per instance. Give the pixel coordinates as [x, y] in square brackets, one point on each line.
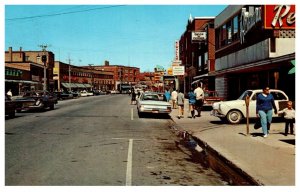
[254, 49]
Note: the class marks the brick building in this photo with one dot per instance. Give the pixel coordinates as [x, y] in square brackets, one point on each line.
[79, 78]
[124, 76]
[24, 70]
[197, 52]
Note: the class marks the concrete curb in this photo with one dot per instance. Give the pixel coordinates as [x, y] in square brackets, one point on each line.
[219, 163]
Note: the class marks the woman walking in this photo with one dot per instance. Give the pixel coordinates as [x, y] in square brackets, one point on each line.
[192, 101]
[264, 109]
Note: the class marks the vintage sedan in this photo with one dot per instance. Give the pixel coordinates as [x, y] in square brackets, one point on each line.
[151, 102]
[234, 111]
[35, 100]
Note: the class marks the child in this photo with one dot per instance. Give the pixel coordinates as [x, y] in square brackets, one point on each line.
[289, 117]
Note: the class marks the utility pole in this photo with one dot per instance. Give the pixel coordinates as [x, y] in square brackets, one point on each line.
[44, 60]
[69, 61]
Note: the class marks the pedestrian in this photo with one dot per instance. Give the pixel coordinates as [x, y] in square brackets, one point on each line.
[264, 109]
[168, 95]
[174, 95]
[289, 117]
[9, 93]
[180, 103]
[192, 102]
[199, 99]
[133, 97]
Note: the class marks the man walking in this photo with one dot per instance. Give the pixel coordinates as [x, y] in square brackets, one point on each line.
[174, 99]
[180, 103]
[199, 99]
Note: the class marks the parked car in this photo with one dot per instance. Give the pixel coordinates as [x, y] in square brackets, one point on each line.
[90, 93]
[10, 106]
[83, 93]
[234, 111]
[210, 97]
[152, 103]
[61, 95]
[35, 100]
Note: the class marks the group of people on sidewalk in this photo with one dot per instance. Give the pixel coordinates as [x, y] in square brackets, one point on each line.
[195, 97]
[264, 110]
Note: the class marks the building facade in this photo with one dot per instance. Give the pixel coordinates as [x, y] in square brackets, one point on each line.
[24, 70]
[72, 77]
[197, 53]
[255, 47]
[124, 76]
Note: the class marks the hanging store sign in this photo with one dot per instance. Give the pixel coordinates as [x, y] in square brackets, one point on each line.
[199, 36]
[279, 17]
[178, 70]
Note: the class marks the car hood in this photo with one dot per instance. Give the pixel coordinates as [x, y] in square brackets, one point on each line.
[229, 103]
[149, 102]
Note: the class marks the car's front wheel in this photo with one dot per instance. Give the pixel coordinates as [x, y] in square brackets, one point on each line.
[234, 117]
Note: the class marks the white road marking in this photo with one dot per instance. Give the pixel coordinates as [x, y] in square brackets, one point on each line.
[129, 164]
[131, 113]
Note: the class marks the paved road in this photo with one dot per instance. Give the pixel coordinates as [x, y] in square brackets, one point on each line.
[97, 141]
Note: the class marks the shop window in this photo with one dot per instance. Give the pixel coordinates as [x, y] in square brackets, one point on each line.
[223, 36]
[235, 35]
[229, 32]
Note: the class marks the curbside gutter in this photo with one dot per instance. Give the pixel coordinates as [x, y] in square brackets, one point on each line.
[230, 172]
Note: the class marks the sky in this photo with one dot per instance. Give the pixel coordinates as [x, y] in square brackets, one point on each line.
[132, 35]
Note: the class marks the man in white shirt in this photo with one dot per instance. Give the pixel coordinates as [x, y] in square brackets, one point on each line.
[174, 95]
[199, 99]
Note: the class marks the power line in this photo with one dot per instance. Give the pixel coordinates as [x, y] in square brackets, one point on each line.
[64, 13]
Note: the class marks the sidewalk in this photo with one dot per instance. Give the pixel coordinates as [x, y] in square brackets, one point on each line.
[269, 161]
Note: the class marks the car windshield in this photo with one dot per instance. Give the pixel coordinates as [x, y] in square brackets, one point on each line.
[151, 97]
[243, 96]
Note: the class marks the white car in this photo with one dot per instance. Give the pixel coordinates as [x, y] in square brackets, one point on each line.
[152, 103]
[234, 111]
[83, 93]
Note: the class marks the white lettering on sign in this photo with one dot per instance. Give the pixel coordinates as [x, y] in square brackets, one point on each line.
[279, 16]
[248, 21]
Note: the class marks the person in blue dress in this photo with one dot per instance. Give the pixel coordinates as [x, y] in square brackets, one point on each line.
[192, 102]
[167, 95]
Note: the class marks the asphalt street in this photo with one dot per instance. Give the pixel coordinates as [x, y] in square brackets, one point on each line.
[98, 141]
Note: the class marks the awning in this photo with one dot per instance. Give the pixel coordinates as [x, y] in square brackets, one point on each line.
[79, 85]
[195, 81]
[69, 85]
[87, 85]
[21, 81]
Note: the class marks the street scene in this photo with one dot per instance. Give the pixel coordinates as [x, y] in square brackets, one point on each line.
[207, 98]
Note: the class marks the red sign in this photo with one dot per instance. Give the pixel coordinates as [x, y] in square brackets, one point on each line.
[279, 17]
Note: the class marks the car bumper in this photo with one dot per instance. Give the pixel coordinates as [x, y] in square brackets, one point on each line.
[216, 113]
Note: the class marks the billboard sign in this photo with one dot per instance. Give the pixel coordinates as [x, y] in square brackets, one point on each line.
[178, 70]
[279, 16]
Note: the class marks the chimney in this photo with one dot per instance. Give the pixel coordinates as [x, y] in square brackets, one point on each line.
[10, 54]
[106, 63]
[20, 52]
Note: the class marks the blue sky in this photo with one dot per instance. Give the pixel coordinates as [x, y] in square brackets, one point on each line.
[137, 35]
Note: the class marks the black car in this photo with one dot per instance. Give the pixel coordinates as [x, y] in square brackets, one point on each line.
[36, 100]
[61, 95]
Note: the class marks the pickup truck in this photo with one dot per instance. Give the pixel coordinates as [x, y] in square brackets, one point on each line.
[235, 110]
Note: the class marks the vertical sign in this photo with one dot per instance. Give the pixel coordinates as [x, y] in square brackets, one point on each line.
[176, 50]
